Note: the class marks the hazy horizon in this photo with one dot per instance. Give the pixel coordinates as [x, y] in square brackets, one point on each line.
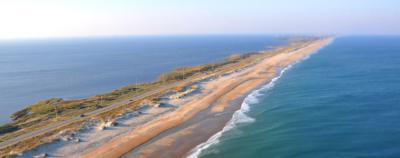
[23, 19]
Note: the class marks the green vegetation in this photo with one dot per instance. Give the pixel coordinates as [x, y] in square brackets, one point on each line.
[185, 72]
[58, 108]
[8, 128]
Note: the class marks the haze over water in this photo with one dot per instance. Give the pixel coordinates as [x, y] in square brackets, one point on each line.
[33, 70]
[342, 102]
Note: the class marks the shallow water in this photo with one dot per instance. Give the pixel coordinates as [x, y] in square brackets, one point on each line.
[34, 70]
[342, 102]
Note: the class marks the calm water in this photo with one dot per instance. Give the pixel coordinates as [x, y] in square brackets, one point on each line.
[342, 102]
[74, 68]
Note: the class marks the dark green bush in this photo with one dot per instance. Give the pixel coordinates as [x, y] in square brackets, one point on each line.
[8, 128]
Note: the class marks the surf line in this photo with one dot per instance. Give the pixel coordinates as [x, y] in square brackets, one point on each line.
[240, 116]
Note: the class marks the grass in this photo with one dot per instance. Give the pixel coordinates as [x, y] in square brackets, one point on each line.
[185, 72]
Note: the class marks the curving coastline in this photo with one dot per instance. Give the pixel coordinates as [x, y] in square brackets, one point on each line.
[202, 117]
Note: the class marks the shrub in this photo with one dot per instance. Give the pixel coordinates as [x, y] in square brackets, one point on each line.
[20, 114]
[8, 128]
[46, 106]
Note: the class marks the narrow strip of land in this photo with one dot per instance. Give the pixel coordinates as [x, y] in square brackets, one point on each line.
[57, 125]
[224, 91]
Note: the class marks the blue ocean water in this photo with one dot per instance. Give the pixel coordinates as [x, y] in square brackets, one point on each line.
[341, 102]
[33, 70]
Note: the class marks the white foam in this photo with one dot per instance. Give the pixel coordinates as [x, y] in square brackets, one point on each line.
[239, 116]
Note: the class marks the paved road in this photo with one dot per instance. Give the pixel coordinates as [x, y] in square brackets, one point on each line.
[86, 115]
[95, 112]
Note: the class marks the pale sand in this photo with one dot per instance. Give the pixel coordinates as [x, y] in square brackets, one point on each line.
[223, 91]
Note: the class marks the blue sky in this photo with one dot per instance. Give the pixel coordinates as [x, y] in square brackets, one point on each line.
[66, 18]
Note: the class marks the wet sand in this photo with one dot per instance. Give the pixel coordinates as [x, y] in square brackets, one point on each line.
[176, 133]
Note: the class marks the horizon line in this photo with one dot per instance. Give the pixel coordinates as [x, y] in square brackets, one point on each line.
[191, 34]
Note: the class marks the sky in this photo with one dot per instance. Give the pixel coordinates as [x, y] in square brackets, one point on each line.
[77, 18]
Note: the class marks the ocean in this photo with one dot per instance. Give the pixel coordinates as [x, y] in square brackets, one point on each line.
[343, 101]
[34, 70]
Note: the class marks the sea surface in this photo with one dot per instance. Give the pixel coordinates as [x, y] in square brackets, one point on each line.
[34, 70]
[343, 102]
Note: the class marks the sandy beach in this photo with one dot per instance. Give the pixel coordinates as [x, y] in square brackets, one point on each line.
[175, 133]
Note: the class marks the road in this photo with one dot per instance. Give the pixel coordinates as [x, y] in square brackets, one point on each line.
[87, 115]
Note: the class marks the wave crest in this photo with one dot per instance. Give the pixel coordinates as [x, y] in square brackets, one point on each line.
[240, 116]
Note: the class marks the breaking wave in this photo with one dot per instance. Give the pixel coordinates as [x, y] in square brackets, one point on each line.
[239, 117]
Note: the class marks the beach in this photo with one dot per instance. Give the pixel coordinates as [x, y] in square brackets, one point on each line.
[339, 102]
[176, 133]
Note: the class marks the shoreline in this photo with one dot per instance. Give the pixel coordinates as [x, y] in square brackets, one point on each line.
[218, 104]
[239, 116]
